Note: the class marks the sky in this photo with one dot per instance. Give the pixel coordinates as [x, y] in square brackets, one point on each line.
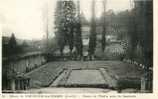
[27, 20]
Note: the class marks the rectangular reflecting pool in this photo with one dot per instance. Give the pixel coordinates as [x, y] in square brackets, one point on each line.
[85, 77]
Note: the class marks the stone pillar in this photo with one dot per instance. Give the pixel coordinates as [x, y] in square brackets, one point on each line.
[27, 63]
[42, 58]
[28, 82]
[22, 84]
[143, 83]
[13, 84]
[18, 84]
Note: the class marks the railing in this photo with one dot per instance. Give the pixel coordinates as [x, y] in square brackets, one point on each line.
[20, 64]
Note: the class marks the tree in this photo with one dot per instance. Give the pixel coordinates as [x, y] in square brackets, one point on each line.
[133, 33]
[60, 35]
[13, 47]
[65, 19]
[144, 17]
[78, 36]
[24, 44]
[92, 40]
[104, 27]
[69, 11]
[141, 34]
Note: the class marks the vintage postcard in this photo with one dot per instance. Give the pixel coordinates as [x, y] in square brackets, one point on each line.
[78, 47]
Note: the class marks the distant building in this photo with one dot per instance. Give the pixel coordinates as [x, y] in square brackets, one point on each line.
[111, 23]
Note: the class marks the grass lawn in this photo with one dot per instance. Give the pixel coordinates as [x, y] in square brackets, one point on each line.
[122, 72]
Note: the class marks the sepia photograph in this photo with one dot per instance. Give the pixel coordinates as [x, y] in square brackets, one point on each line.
[76, 46]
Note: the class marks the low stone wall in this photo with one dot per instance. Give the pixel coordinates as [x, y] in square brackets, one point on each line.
[146, 81]
[136, 63]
